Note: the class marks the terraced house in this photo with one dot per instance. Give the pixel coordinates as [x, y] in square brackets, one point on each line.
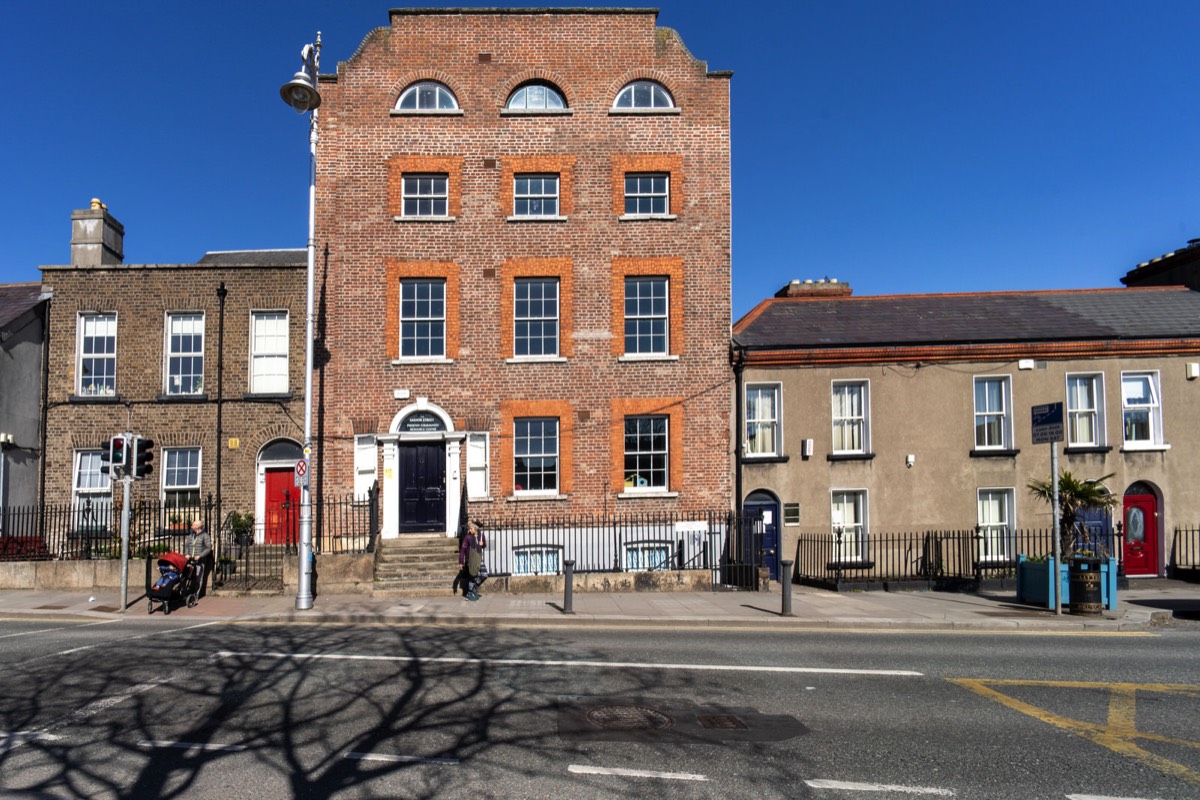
[524, 216]
[871, 415]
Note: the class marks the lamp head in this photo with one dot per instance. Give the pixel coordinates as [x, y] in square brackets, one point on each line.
[301, 93]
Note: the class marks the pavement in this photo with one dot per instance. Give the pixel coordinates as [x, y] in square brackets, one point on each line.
[1146, 605]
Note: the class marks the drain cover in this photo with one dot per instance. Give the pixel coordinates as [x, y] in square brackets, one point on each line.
[629, 718]
[726, 722]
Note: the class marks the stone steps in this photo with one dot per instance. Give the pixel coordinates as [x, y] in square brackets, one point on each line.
[416, 566]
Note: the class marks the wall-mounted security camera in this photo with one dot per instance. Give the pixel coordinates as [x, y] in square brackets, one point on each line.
[909, 460]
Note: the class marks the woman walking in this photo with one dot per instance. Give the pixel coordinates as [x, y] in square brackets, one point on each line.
[470, 558]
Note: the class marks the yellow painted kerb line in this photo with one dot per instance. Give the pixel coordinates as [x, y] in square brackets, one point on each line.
[1119, 733]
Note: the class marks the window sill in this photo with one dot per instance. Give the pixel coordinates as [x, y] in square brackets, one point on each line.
[537, 112]
[1076, 450]
[644, 112]
[647, 217]
[850, 457]
[996, 453]
[426, 112]
[94, 398]
[536, 360]
[488, 499]
[406, 361]
[635, 359]
[655, 494]
[536, 218]
[1145, 448]
[764, 459]
[182, 398]
[424, 219]
[526, 497]
[267, 397]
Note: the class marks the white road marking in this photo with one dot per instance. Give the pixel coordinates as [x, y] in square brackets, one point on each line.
[230, 748]
[74, 650]
[579, 769]
[61, 628]
[1100, 797]
[14, 739]
[878, 787]
[529, 662]
[400, 759]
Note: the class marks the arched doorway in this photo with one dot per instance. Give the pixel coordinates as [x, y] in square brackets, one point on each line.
[422, 485]
[761, 512]
[277, 499]
[1143, 535]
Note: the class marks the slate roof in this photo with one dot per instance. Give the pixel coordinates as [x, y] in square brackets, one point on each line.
[17, 299]
[948, 319]
[255, 258]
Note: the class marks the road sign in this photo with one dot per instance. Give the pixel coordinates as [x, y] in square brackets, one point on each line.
[1047, 423]
[301, 476]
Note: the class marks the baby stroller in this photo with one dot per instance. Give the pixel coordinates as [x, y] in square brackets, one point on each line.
[178, 579]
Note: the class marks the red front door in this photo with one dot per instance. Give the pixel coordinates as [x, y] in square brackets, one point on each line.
[282, 514]
[1141, 534]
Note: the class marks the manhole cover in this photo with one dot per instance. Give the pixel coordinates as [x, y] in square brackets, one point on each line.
[629, 718]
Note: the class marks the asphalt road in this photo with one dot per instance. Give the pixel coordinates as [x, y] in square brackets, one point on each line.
[172, 709]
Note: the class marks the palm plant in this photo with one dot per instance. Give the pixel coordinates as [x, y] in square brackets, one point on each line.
[1075, 495]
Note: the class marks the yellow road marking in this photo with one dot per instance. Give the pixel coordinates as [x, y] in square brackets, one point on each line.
[1119, 733]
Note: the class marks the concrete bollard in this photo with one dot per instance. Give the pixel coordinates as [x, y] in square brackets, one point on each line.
[785, 580]
[568, 587]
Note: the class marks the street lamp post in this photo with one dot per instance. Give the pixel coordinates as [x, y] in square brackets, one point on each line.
[301, 94]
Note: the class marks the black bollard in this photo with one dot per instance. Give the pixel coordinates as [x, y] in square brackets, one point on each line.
[568, 587]
[785, 579]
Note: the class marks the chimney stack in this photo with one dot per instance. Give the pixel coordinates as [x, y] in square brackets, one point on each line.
[825, 287]
[97, 238]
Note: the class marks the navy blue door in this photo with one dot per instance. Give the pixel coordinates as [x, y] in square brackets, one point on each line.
[762, 547]
[422, 488]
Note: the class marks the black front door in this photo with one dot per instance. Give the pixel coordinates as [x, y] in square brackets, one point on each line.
[422, 487]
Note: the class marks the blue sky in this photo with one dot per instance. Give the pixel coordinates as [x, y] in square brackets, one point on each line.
[920, 146]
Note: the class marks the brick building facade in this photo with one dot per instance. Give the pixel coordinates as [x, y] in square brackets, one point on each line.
[136, 347]
[525, 221]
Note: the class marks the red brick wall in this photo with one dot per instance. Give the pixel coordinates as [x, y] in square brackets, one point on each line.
[589, 57]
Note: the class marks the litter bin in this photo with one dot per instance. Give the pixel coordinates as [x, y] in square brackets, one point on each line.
[1084, 576]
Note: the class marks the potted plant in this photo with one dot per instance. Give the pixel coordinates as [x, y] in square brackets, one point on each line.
[242, 528]
[1035, 575]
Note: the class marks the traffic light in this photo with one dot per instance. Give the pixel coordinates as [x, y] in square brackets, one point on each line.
[143, 454]
[113, 455]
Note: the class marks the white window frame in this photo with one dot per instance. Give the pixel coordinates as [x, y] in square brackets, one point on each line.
[91, 492]
[537, 560]
[1079, 415]
[632, 475]
[642, 311]
[479, 452]
[180, 382]
[536, 96]
[427, 97]
[639, 554]
[763, 428]
[996, 542]
[854, 532]
[366, 464]
[643, 95]
[435, 321]
[847, 422]
[547, 203]
[791, 514]
[523, 447]
[269, 351]
[1003, 414]
[524, 315]
[93, 328]
[171, 473]
[419, 188]
[640, 194]
[1152, 409]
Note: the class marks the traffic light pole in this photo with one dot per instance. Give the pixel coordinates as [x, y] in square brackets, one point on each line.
[128, 482]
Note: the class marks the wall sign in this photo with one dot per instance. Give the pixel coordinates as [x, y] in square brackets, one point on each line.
[422, 422]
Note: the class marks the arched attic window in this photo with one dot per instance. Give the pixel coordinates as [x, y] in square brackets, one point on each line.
[427, 96]
[536, 97]
[644, 95]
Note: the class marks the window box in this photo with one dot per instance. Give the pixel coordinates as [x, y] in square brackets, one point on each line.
[850, 457]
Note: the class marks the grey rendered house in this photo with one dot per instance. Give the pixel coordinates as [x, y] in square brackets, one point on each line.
[865, 415]
[23, 312]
